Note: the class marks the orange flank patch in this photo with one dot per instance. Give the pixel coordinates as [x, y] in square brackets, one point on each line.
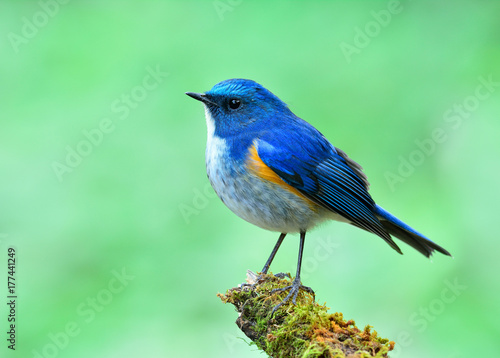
[259, 168]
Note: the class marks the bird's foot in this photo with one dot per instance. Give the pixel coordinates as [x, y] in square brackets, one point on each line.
[294, 288]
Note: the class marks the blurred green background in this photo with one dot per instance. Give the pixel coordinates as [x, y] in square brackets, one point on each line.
[121, 243]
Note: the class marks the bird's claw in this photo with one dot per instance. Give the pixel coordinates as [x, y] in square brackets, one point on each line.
[294, 288]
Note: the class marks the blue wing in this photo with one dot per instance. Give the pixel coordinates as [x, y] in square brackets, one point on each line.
[324, 174]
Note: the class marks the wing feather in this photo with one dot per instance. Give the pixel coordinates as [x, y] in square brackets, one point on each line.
[329, 179]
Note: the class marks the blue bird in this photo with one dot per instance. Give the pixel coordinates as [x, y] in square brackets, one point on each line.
[278, 172]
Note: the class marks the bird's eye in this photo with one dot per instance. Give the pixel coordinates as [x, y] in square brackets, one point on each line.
[234, 103]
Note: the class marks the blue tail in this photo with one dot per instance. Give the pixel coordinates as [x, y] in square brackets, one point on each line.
[403, 232]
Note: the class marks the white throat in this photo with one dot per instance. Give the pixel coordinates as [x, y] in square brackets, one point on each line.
[216, 147]
[210, 124]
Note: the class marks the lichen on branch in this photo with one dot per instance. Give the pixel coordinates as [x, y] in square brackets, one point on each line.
[304, 330]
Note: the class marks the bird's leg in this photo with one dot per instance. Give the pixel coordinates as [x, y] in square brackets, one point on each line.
[296, 284]
[273, 253]
[256, 278]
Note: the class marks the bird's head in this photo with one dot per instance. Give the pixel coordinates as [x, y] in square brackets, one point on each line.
[237, 105]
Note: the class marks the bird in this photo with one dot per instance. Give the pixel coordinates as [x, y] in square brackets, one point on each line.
[278, 172]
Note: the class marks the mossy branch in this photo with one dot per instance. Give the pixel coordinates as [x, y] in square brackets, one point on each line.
[303, 330]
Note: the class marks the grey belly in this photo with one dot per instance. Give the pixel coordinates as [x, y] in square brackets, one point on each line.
[264, 203]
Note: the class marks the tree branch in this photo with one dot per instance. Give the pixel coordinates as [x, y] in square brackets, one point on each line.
[303, 330]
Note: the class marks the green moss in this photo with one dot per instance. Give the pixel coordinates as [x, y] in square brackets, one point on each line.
[303, 330]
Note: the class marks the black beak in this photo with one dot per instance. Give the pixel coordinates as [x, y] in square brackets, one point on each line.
[201, 97]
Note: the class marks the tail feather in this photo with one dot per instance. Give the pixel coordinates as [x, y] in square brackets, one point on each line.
[403, 232]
